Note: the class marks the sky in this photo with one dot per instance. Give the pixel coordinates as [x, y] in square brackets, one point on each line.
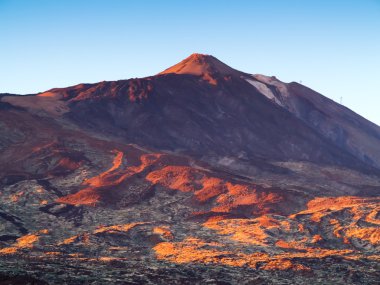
[330, 46]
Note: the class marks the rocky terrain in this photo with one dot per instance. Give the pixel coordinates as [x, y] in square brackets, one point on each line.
[201, 174]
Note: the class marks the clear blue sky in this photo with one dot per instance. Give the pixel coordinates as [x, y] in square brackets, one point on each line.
[332, 46]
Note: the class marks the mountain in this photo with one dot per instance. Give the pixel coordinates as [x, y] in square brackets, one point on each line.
[338, 124]
[199, 173]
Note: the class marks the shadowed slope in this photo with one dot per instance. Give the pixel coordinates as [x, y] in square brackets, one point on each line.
[338, 124]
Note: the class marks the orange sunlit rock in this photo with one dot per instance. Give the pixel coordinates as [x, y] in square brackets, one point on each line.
[89, 196]
[193, 250]
[14, 198]
[291, 244]
[86, 237]
[27, 240]
[70, 240]
[116, 228]
[317, 238]
[99, 179]
[281, 264]
[24, 242]
[242, 230]
[116, 174]
[164, 231]
[372, 217]
[8, 250]
[199, 251]
[53, 253]
[228, 196]
[320, 207]
[371, 234]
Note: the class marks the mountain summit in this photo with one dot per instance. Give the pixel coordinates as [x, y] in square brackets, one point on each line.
[203, 65]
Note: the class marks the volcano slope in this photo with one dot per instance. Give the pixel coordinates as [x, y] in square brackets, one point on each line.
[201, 174]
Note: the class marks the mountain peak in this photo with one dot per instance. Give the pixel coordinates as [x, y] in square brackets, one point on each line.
[200, 57]
[201, 65]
